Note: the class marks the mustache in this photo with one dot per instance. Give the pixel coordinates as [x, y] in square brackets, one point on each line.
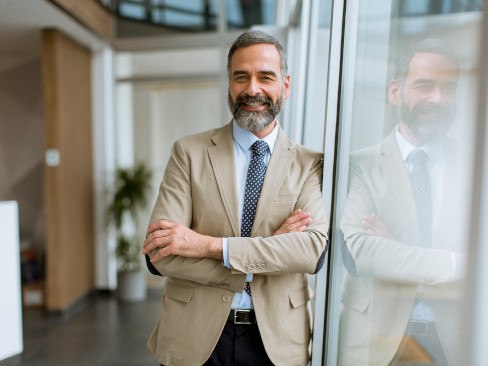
[440, 110]
[250, 100]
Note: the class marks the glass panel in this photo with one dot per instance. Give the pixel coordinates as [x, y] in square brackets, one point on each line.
[402, 197]
[192, 5]
[173, 18]
[133, 11]
[246, 13]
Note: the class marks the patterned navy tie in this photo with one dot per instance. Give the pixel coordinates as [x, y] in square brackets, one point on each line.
[254, 183]
[419, 176]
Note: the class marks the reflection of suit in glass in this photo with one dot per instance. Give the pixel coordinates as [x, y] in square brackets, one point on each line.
[380, 285]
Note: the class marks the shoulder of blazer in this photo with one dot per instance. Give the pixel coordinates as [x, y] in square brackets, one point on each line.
[386, 147]
[206, 138]
[302, 153]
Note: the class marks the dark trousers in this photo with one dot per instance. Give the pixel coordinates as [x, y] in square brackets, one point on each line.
[239, 345]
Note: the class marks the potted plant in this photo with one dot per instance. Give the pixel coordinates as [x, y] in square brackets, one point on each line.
[130, 190]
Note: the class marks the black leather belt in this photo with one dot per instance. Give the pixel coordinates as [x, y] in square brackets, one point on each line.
[242, 317]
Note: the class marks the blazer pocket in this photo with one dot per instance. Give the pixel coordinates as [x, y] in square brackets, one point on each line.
[356, 301]
[285, 197]
[298, 297]
[178, 292]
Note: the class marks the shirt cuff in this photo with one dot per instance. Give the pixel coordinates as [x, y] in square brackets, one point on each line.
[225, 252]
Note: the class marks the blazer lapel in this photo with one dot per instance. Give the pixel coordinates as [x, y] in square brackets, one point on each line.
[223, 164]
[400, 189]
[278, 166]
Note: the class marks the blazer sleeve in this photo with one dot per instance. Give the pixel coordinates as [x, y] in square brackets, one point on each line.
[174, 203]
[293, 252]
[379, 257]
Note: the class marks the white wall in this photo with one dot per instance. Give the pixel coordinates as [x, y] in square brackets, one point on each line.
[164, 112]
[11, 311]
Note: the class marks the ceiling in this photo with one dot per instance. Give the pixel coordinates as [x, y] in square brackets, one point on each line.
[22, 20]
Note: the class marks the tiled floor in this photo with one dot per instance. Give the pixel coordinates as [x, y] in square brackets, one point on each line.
[105, 332]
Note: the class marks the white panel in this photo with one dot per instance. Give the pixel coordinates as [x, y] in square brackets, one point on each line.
[11, 306]
[164, 113]
[103, 163]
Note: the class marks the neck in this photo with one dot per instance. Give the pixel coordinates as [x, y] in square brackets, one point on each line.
[265, 131]
[409, 135]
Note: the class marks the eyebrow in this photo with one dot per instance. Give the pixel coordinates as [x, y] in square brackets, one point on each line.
[432, 81]
[263, 72]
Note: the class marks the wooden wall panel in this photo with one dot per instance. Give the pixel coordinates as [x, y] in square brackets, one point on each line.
[91, 13]
[68, 186]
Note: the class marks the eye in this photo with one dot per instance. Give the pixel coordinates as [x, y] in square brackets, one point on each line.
[424, 86]
[240, 78]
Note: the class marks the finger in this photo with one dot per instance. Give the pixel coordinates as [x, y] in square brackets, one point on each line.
[155, 235]
[305, 222]
[160, 224]
[296, 218]
[160, 254]
[367, 225]
[156, 243]
[299, 229]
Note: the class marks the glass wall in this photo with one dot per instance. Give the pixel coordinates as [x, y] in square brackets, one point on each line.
[196, 15]
[402, 200]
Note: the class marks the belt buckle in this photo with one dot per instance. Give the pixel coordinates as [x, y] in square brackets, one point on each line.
[419, 328]
[241, 311]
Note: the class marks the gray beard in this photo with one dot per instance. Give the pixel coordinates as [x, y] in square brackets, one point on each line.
[428, 122]
[254, 121]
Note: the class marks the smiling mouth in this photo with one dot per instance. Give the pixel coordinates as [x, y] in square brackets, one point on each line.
[253, 106]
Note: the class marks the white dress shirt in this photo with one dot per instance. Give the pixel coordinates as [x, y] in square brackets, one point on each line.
[436, 165]
[243, 141]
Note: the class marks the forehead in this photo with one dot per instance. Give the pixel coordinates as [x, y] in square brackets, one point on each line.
[431, 66]
[258, 56]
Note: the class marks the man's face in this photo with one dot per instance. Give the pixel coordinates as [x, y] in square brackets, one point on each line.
[256, 88]
[426, 101]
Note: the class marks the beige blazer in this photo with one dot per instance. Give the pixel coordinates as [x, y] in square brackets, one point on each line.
[199, 190]
[381, 282]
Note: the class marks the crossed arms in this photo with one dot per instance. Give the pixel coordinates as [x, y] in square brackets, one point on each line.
[176, 250]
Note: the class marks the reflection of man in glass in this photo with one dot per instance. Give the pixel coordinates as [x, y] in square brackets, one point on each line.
[400, 225]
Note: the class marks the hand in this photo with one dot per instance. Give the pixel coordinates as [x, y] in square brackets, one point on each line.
[297, 222]
[375, 226]
[166, 238]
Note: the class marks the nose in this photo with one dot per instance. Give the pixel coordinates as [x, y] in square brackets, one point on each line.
[253, 88]
[437, 95]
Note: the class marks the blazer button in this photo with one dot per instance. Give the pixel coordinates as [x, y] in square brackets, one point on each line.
[226, 298]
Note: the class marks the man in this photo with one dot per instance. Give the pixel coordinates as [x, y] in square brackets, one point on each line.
[403, 227]
[236, 292]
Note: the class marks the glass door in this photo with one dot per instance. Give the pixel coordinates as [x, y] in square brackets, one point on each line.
[402, 145]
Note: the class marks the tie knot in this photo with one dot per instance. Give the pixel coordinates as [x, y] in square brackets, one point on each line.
[418, 157]
[259, 148]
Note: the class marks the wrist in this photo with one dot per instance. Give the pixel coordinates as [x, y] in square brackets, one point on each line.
[215, 248]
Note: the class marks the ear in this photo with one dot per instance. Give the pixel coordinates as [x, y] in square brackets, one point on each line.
[286, 87]
[394, 92]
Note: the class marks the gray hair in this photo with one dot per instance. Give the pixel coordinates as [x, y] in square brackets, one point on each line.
[430, 45]
[252, 37]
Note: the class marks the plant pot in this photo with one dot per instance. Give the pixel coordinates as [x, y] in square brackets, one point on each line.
[131, 286]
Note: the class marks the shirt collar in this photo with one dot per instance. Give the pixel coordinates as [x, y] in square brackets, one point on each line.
[433, 149]
[245, 138]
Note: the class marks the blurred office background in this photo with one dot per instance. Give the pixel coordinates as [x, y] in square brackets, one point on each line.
[89, 86]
